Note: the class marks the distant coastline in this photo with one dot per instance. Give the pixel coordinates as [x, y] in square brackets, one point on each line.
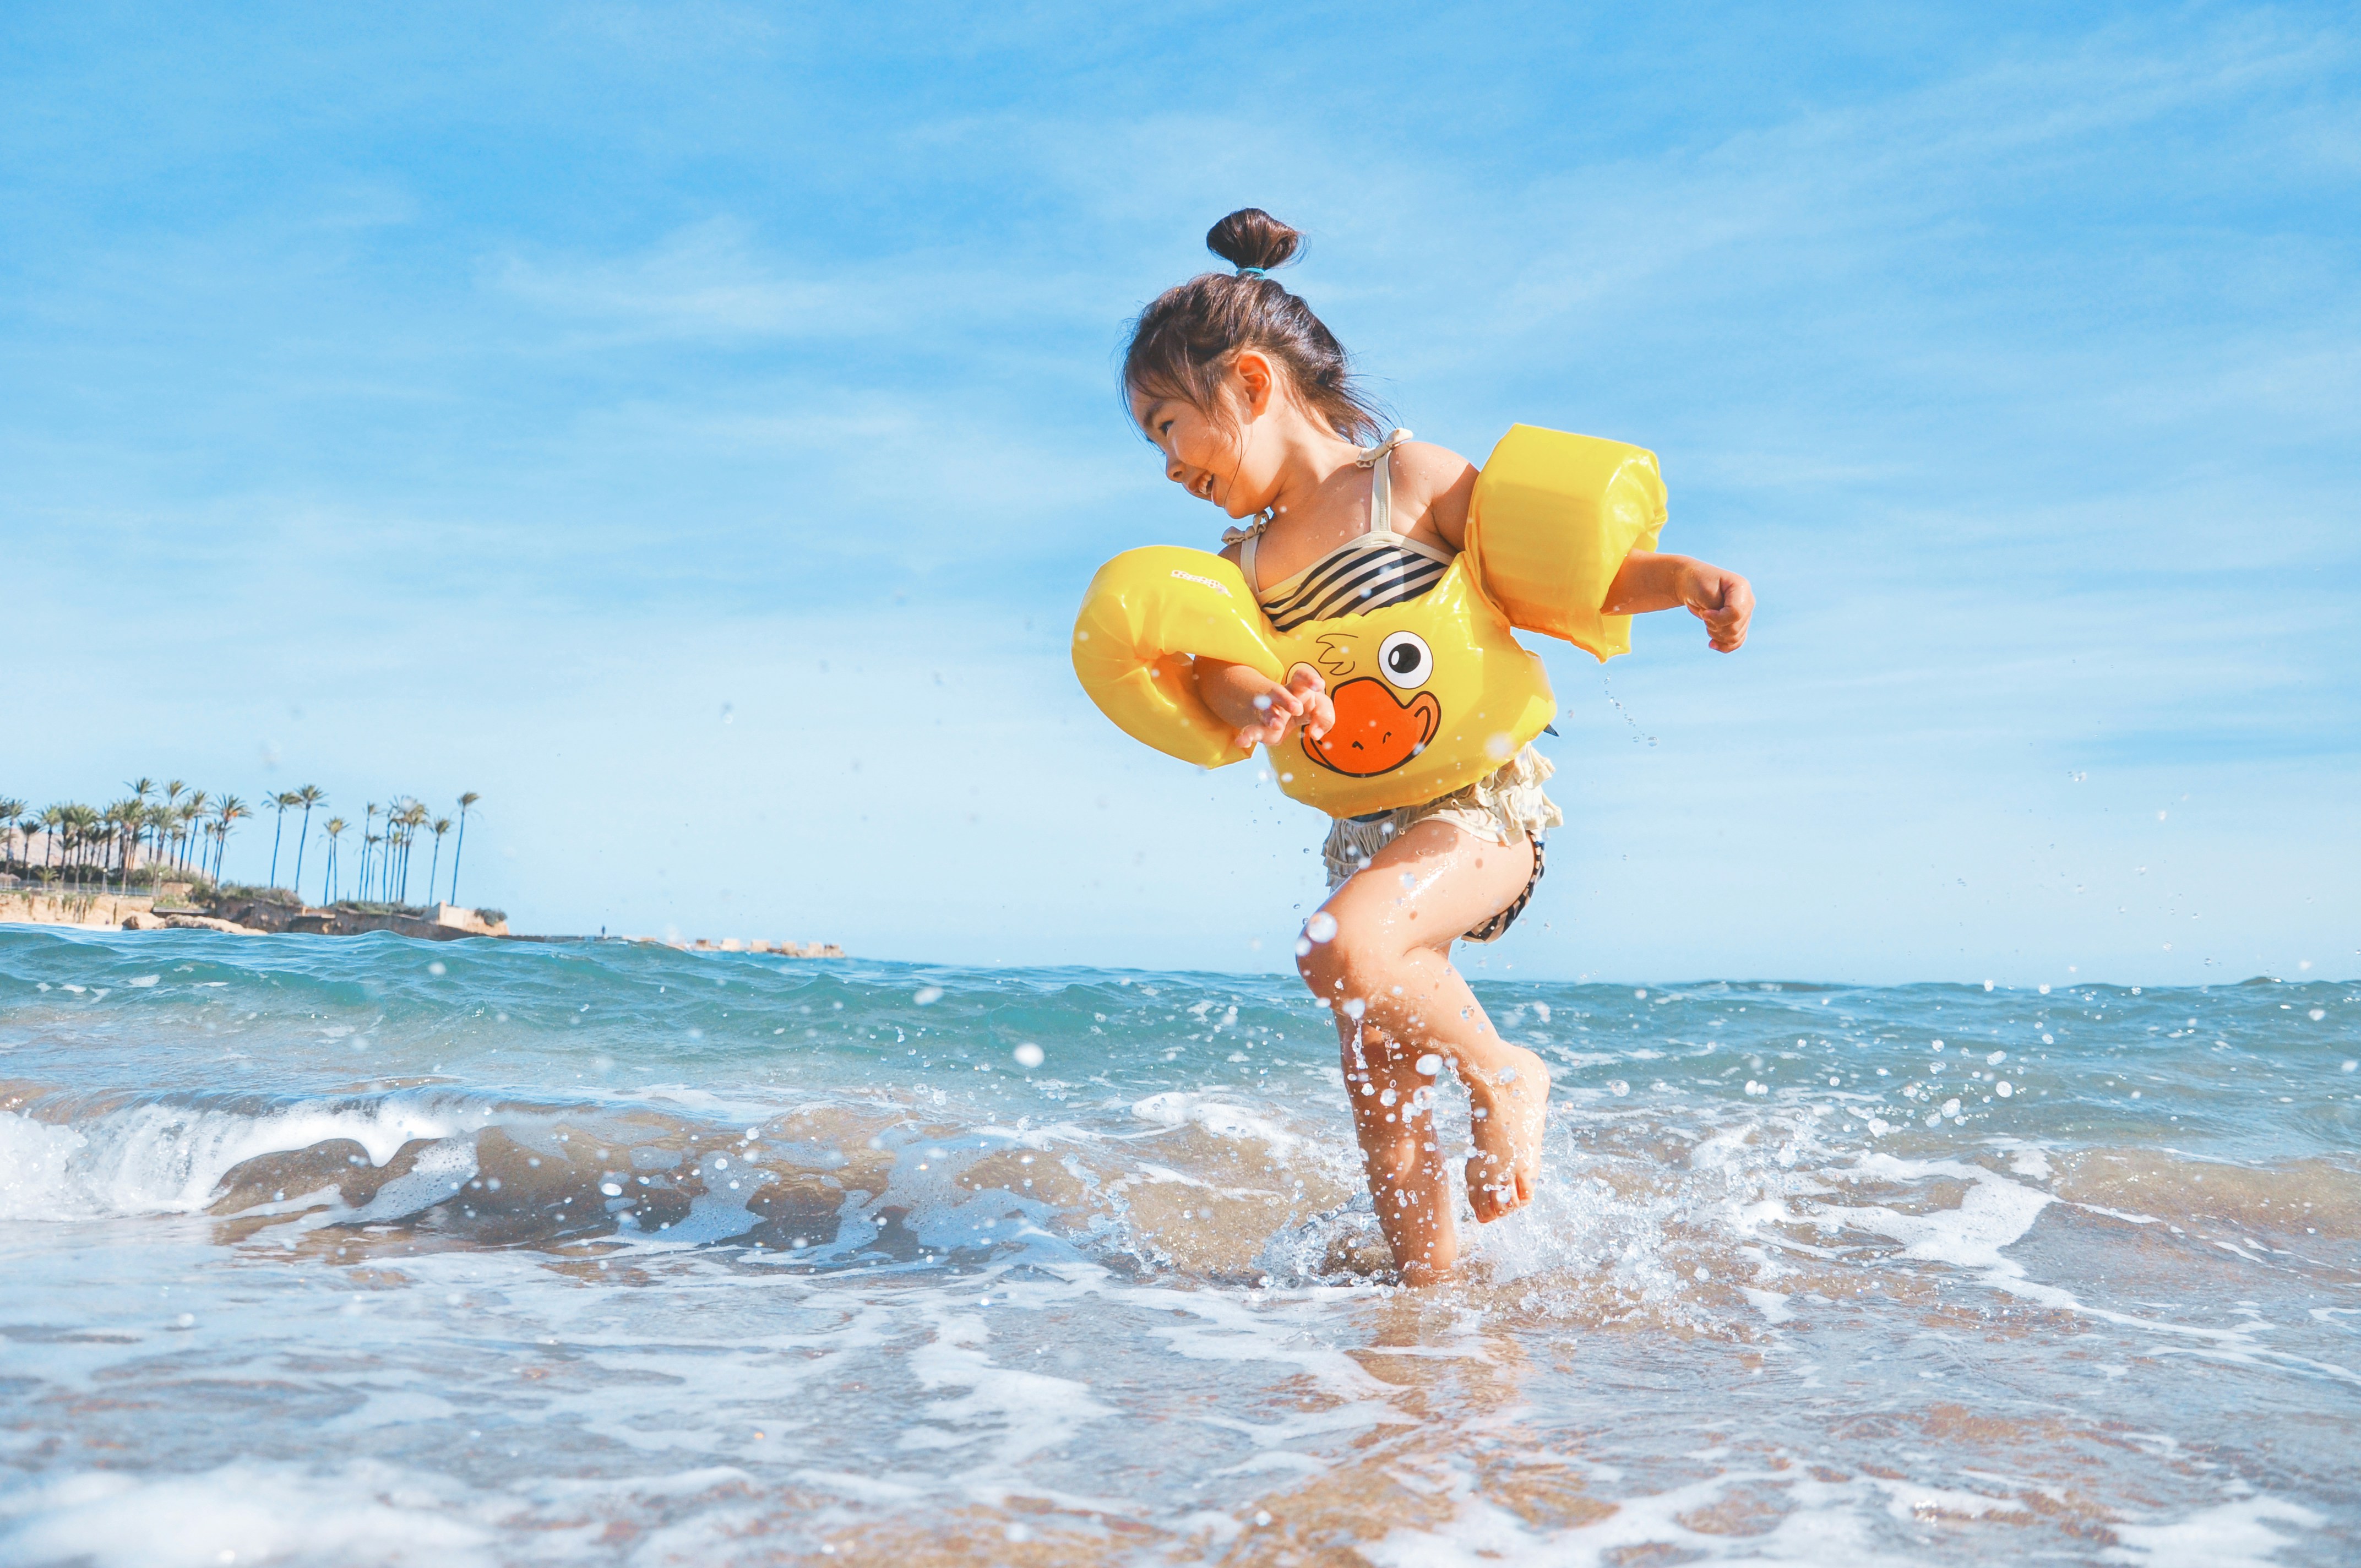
[174, 833]
[83, 866]
[240, 912]
[237, 912]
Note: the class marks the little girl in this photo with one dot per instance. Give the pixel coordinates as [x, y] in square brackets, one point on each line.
[1250, 400]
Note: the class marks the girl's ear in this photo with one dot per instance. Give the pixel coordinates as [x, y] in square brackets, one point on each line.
[1257, 382]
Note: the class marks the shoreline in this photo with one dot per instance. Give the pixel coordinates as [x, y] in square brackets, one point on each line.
[113, 911]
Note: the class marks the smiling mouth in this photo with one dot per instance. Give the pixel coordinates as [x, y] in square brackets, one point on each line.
[1204, 487]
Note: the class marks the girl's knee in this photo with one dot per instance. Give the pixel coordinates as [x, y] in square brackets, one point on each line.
[1323, 971]
[1342, 959]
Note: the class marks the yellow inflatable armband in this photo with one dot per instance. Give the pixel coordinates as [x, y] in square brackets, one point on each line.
[1553, 517]
[1431, 695]
[1143, 609]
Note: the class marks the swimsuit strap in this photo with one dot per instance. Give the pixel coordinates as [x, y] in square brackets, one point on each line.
[1382, 448]
[1379, 459]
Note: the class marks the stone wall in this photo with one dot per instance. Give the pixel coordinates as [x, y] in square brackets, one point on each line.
[97, 911]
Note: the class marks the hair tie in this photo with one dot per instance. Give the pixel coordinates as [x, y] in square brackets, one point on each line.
[1252, 272]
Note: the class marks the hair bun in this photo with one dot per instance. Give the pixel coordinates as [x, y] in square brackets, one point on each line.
[1252, 237]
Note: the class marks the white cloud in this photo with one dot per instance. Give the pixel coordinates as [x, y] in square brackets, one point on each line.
[704, 282]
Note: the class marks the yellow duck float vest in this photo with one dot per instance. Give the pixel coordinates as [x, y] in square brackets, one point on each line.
[1429, 695]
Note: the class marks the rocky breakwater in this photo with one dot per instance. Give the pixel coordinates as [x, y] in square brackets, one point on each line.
[784, 949]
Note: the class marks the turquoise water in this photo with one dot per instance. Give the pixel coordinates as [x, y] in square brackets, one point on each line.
[363, 1251]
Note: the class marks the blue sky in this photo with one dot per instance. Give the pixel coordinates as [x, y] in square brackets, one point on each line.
[692, 428]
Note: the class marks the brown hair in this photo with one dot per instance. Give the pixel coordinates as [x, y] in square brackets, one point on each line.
[1181, 343]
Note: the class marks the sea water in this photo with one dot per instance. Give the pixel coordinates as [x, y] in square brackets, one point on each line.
[370, 1251]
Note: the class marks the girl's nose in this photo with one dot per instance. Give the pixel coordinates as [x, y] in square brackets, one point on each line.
[1175, 471]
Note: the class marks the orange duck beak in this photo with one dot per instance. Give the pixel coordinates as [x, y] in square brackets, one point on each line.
[1375, 731]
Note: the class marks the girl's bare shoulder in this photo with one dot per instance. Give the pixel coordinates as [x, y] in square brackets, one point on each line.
[1433, 484]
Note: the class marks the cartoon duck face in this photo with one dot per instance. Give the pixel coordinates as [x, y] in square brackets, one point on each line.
[1382, 720]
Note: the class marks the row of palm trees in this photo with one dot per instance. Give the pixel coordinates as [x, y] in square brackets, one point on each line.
[170, 827]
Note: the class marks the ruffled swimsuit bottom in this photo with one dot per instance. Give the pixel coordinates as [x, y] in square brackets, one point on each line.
[1505, 807]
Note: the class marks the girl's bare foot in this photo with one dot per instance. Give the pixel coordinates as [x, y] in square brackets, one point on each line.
[1508, 1113]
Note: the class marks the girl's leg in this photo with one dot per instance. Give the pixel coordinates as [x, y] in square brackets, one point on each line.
[1388, 973]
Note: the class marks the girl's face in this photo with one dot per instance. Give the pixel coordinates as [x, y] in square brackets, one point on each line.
[1214, 455]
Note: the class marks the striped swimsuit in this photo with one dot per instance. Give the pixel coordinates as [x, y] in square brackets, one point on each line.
[1376, 570]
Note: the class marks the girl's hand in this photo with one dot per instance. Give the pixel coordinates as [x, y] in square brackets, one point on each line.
[1303, 699]
[1263, 709]
[1722, 599]
[1647, 581]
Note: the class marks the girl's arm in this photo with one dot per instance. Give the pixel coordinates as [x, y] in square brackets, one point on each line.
[1722, 599]
[1260, 707]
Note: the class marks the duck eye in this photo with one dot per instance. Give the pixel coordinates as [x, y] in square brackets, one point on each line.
[1405, 660]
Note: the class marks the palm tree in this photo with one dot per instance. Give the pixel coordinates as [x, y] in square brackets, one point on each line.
[226, 815]
[68, 842]
[368, 821]
[397, 838]
[333, 828]
[183, 829]
[82, 824]
[279, 803]
[154, 820]
[307, 797]
[29, 825]
[173, 790]
[53, 823]
[9, 811]
[143, 790]
[191, 815]
[413, 817]
[126, 817]
[53, 843]
[439, 827]
[467, 803]
[230, 815]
